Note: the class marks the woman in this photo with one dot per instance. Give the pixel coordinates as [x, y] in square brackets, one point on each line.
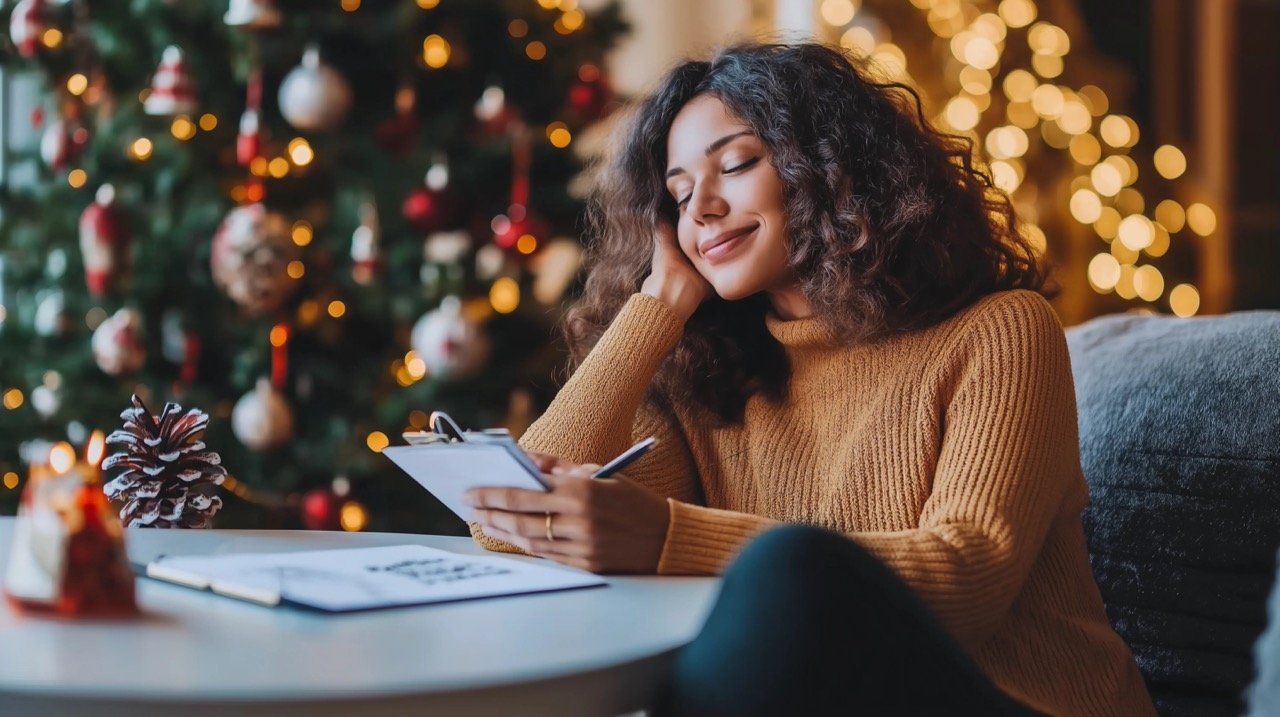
[829, 317]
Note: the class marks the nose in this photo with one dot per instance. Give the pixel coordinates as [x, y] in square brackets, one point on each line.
[706, 202]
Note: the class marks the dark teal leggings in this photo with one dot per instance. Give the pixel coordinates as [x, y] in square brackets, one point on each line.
[809, 623]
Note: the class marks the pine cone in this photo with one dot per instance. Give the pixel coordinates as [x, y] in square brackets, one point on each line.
[169, 479]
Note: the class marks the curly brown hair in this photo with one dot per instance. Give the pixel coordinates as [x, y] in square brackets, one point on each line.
[891, 227]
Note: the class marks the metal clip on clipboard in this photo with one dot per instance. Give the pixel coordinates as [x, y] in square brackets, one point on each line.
[445, 431]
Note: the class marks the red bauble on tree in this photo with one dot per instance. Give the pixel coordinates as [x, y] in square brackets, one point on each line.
[434, 206]
[510, 228]
[103, 241]
[589, 96]
[322, 507]
[26, 26]
[427, 210]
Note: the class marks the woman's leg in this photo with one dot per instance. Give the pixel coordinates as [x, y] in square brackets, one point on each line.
[808, 622]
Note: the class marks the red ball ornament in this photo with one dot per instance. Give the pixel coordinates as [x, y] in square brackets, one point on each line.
[587, 100]
[322, 509]
[507, 231]
[429, 210]
[26, 26]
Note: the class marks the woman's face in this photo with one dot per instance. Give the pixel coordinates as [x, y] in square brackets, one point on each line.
[729, 198]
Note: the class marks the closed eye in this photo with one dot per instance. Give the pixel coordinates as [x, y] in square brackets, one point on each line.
[731, 170]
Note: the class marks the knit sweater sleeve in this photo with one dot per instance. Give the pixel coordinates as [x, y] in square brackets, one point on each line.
[1009, 456]
[601, 410]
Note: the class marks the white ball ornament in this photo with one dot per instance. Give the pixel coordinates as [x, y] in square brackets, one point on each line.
[262, 419]
[46, 401]
[117, 343]
[253, 14]
[452, 344]
[51, 317]
[314, 97]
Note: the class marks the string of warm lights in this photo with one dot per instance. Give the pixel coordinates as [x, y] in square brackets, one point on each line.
[1075, 120]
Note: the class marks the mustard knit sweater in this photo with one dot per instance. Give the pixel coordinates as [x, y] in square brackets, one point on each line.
[951, 453]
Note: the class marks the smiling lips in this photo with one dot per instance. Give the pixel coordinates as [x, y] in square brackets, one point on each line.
[725, 242]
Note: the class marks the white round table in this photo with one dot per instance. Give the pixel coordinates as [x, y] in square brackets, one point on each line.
[598, 651]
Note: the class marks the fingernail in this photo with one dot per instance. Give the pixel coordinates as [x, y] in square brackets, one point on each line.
[559, 470]
[469, 499]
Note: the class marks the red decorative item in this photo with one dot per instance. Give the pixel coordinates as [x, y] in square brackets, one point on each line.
[429, 210]
[68, 553]
[322, 509]
[26, 25]
[588, 98]
[518, 221]
[103, 240]
[249, 141]
[172, 90]
[507, 231]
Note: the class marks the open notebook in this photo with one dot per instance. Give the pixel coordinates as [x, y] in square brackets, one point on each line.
[365, 578]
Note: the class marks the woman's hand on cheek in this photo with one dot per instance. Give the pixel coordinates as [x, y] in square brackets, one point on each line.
[672, 278]
[609, 525]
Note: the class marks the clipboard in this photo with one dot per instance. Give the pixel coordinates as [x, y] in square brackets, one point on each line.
[449, 461]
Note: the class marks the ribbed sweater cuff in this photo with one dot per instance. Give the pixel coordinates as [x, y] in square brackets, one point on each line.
[702, 541]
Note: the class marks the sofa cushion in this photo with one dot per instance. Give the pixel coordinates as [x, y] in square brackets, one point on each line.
[1180, 444]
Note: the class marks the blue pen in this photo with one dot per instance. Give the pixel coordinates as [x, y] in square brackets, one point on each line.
[626, 458]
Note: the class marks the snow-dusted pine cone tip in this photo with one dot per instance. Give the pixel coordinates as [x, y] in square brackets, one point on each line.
[167, 478]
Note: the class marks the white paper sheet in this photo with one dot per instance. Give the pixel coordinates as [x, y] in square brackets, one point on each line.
[449, 470]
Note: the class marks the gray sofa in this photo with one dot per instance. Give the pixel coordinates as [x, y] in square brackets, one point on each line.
[1180, 442]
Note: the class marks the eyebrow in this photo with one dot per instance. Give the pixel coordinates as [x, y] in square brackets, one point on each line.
[710, 148]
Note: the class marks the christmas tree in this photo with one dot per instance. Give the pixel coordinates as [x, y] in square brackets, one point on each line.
[318, 221]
